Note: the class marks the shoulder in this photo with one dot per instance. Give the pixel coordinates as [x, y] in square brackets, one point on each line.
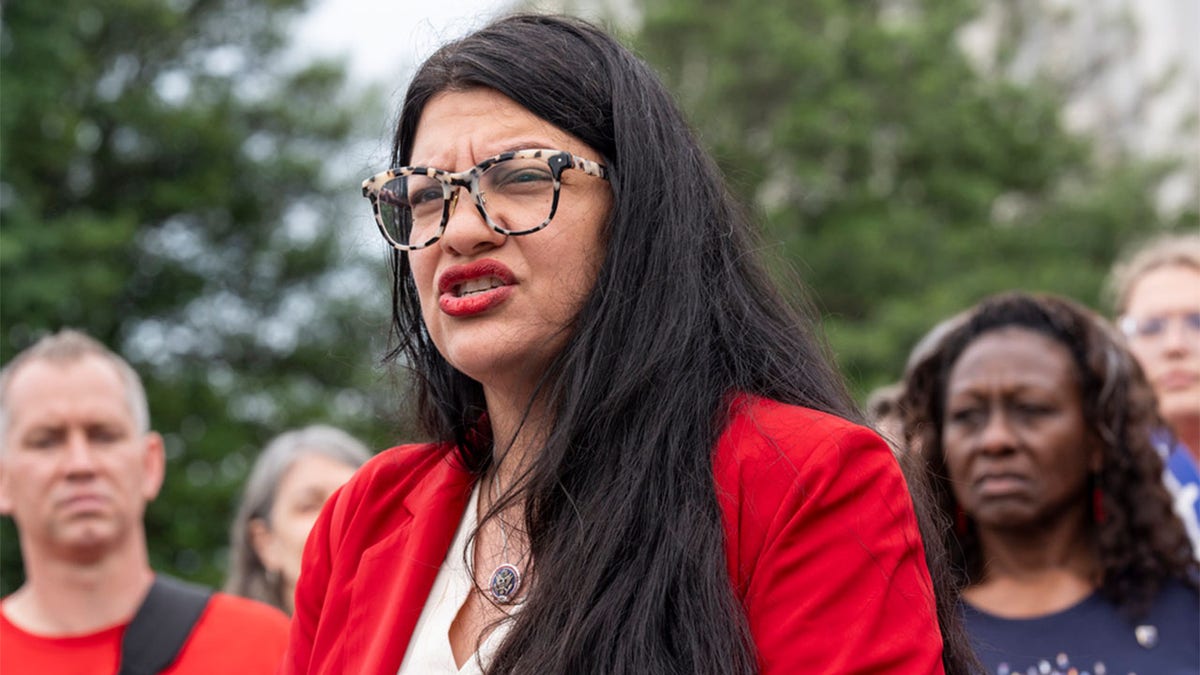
[752, 415]
[388, 490]
[821, 539]
[783, 469]
[1177, 603]
[1176, 616]
[787, 441]
[234, 635]
[251, 614]
[404, 460]
[394, 474]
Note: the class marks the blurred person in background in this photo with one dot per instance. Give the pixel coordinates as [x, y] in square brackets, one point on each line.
[290, 482]
[78, 464]
[1156, 293]
[883, 412]
[1033, 423]
[883, 403]
[643, 461]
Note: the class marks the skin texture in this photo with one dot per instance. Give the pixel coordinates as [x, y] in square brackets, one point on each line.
[76, 473]
[1019, 454]
[301, 493]
[508, 346]
[1172, 360]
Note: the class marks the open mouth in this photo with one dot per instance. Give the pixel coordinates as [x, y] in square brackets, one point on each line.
[474, 286]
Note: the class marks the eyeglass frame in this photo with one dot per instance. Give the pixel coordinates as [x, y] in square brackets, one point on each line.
[558, 161]
[1132, 327]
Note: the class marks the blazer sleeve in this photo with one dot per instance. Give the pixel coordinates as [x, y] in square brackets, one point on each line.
[829, 561]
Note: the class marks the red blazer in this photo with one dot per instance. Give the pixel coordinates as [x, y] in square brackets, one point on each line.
[821, 540]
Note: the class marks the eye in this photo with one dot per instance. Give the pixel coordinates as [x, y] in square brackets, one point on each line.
[43, 439]
[1033, 409]
[309, 506]
[425, 196]
[517, 175]
[309, 502]
[1151, 326]
[966, 416]
[105, 434]
[1191, 321]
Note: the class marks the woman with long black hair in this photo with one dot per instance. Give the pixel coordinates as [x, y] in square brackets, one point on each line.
[642, 460]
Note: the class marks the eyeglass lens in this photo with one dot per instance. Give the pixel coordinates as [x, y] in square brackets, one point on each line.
[1154, 327]
[516, 195]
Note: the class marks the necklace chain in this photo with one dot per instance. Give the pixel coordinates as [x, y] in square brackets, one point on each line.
[505, 580]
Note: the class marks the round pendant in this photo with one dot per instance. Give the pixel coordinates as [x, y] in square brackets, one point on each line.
[504, 584]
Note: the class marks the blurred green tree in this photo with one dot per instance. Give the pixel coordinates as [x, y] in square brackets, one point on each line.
[902, 181]
[164, 186]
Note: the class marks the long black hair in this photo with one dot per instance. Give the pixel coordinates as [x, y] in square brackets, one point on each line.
[1140, 544]
[621, 509]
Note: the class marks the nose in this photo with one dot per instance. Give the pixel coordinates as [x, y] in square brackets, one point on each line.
[467, 233]
[997, 437]
[79, 458]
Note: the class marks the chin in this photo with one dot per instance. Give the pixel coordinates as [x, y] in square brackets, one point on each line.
[87, 538]
[1181, 408]
[1005, 517]
[500, 366]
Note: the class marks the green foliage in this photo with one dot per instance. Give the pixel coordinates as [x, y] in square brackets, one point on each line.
[164, 186]
[902, 183]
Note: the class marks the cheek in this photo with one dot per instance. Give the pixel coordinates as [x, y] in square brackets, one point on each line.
[293, 531]
[421, 270]
[573, 263]
[1146, 356]
[954, 453]
[422, 274]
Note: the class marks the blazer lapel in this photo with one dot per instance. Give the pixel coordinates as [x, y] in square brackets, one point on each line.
[395, 575]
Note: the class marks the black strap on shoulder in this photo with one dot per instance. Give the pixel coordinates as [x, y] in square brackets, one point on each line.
[161, 626]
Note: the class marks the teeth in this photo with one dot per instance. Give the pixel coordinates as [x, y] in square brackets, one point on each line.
[477, 286]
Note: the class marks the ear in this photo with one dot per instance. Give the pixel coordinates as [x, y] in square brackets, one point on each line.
[262, 540]
[154, 465]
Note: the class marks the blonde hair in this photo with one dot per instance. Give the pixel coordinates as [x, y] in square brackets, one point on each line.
[1168, 250]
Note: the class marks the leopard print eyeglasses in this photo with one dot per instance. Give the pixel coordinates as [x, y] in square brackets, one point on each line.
[516, 193]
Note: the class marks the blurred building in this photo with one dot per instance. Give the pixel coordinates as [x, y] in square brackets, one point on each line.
[1130, 68]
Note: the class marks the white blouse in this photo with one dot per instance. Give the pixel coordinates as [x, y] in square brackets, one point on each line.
[429, 650]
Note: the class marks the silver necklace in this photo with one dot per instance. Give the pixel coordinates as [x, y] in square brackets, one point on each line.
[505, 581]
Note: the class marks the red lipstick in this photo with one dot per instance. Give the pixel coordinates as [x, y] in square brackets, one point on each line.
[474, 288]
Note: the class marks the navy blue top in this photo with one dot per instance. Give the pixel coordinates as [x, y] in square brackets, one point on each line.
[1093, 638]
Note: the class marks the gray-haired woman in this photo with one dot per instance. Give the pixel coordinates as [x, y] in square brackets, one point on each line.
[288, 485]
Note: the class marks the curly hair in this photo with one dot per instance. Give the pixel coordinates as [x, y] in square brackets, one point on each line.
[1140, 544]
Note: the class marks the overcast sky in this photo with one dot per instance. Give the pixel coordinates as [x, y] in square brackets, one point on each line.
[384, 38]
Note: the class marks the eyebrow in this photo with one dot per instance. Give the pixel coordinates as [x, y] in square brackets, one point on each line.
[1032, 387]
[509, 146]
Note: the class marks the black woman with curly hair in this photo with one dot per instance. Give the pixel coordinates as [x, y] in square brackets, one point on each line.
[1033, 423]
